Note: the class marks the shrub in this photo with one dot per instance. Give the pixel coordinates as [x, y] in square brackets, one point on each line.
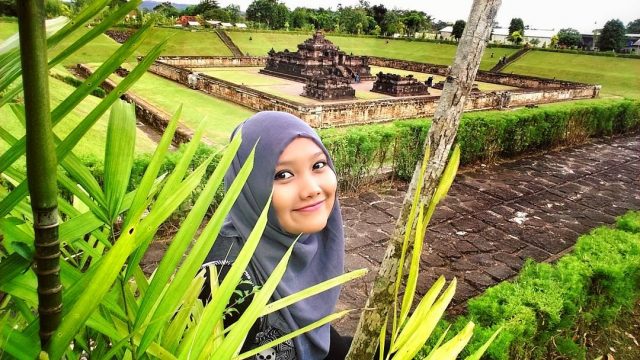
[547, 303]
[483, 136]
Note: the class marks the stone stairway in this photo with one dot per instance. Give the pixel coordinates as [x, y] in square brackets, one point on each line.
[515, 56]
[229, 43]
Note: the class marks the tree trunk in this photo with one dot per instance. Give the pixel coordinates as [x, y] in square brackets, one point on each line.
[41, 164]
[440, 139]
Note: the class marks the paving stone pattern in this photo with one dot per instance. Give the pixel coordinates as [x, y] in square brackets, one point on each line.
[495, 217]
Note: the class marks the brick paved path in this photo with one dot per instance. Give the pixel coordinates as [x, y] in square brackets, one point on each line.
[497, 216]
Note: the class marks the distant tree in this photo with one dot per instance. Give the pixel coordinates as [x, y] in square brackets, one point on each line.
[516, 25]
[376, 30]
[415, 21]
[439, 25]
[216, 14]
[349, 18]
[534, 41]
[300, 17]
[612, 36]
[54, 8]
[234, 12]
[458, 28]
[390, 23]
[554, 42]
[569, 37]
[167, 9]
[323, 18]
[516, 37]
[8, 8]
[271, 12]
[205, 5]
[633, 27]
[378, 12]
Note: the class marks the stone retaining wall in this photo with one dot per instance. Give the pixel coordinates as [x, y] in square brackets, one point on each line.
[213, 61]
[145, 112]
[370, 111]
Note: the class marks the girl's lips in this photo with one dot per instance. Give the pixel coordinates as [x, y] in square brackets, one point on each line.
[312, 207]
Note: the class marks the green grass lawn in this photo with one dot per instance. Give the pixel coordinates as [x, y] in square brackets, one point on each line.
[221, 116]
[425, 52]
[183, 42]
[8, 27]
[93, 143]
[618, 76]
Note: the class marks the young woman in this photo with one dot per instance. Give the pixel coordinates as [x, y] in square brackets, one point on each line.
[291, 164]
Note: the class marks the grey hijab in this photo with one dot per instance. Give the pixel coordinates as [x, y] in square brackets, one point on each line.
[316, 257]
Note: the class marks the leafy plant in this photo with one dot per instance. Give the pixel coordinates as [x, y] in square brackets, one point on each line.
[409, 333]
[109, 307]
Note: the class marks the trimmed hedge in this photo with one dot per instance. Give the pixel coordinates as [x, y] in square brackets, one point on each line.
[483, 136]
[547, 304]
[361, 151]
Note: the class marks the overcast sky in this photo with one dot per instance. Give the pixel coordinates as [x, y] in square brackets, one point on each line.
[584, 15]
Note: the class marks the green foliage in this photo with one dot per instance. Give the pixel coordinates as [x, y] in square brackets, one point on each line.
[458, 28]
[569, 37]
[516, 24]
[547, 304]
[483, 136]
[633, 27]
[612, 36]
[516, 37]
[629, 222]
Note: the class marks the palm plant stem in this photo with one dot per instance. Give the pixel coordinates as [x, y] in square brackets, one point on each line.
[41, 165]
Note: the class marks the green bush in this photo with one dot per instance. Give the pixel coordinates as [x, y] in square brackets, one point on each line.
[483, 136]
[547, 304]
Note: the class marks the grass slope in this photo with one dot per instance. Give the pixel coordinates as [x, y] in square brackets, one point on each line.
[618, 76]
[426, 52]
[221, 116]
[182, 42]
[93, 143]
[8, 27]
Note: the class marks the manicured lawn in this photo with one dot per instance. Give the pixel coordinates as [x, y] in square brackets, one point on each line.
[618, 76]
[8, 27]
[93, 143]
[425, 52]
[221, 116]
[183, 42]
[261, 43]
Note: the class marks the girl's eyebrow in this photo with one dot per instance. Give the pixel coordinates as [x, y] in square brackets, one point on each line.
[289, 162]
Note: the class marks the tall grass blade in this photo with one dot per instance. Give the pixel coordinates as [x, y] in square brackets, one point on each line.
[414, 269]
[198, 253]
[185, 235]
[118, 157]
[323, 321]
[111, 264]
[419, 314]
[453, 347]
[420, 330]
[481, 350]
[237, 335]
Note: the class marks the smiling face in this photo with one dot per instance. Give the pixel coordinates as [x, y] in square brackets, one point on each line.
[304, 188]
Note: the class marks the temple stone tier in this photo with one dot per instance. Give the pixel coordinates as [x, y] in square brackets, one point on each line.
[440, 86]
[329, 87]
[317, 56]
[396, 85]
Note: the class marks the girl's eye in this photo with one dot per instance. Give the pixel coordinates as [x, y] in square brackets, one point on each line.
[319, 165]
[283, 175]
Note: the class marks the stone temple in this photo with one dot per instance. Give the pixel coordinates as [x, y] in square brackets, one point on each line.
[396, 85]
[317, 57]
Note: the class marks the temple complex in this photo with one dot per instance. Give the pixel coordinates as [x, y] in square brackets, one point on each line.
[317, 56]
[396, 85]
[328, 87]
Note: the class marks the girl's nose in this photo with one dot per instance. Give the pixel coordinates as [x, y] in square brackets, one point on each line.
[310, 188]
